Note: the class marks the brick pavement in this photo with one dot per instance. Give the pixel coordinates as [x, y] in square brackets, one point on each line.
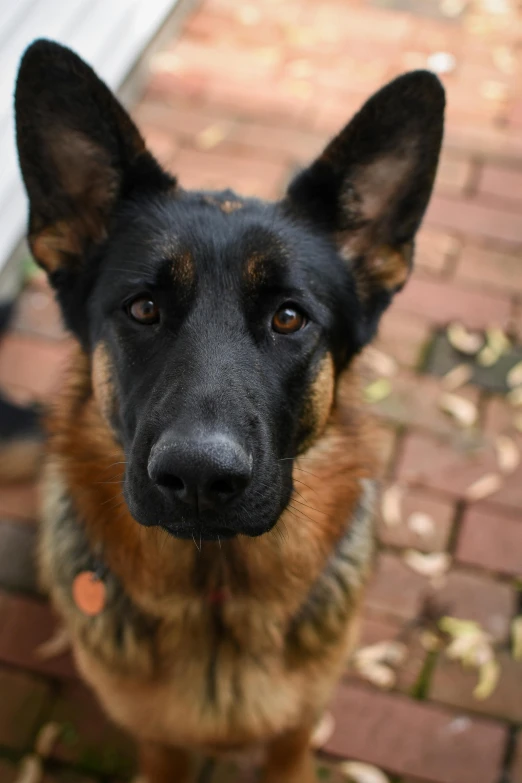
[243, 96]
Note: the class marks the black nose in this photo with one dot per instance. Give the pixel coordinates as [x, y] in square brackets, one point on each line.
[204, 473]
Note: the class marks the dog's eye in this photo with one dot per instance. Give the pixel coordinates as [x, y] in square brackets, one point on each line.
[287, 320]
[144, 310]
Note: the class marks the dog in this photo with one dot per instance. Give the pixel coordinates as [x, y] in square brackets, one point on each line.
[209, 488]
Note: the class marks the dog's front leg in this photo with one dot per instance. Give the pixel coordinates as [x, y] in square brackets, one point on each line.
[290, 758]
[162, 764]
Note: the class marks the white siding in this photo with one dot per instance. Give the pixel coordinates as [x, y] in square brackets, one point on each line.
[109, 34]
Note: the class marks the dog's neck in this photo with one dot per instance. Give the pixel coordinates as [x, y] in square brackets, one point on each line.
[152, 567]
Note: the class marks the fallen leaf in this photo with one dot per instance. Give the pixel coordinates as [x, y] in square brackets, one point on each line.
[421, 524]
[496, 345]
[457, 377]
[211, 136]
[514, 376]
[357, 772]
[380, 362]
[377, 390]
[504, 59]
[508, 455]
[452, 8]
[30, 770]
[47, 738]
[378, 674]
[430, 564]
[58, 644]
[484, 487]
[494, 91]
[441, 62]
[515, 396]
[391, 652]
[430, 641]
[323, 731]
[489, 675]
[391, 505]
[464, 341]
[516, 637]
[463, 411]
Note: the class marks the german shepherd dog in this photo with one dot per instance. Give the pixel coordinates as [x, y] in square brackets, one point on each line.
[208, 492]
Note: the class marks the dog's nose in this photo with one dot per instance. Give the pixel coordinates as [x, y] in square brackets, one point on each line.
[204, 473]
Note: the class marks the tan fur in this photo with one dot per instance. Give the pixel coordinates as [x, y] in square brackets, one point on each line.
[275, 662]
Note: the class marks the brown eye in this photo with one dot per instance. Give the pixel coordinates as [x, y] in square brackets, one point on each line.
[288, 320]
[144, 310]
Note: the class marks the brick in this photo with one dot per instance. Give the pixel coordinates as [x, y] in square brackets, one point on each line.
[403, 336]
[19, 501]
[414, 401]
[89, 740]
[453, 174]
[415, 739]
[24, 699]
[449, 468]
[434, 250]
[498, 418]
[31, 368]
[17, 557]
[442, 302]
[471, 597]
[161, 143]
[486, 267]
[453, 684]
[26, 624]
[279, 142]
[37, 313]
[441, 511]
[213, 171]
[501, 182]
[491, 539]
[182, 119]
[474, 218]
[395, 589]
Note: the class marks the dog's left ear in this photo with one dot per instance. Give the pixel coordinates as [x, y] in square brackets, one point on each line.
[371, 186]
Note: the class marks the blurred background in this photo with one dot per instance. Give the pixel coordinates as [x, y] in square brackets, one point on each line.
[242, 94]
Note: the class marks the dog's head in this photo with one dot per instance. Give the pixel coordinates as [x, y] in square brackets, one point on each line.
[217, 325]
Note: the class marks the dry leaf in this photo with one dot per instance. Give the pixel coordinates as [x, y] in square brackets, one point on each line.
[471, 644]
[249, 15]
[494, 91]
[391, 505]
[57, 645]
[516, 638]
[323, 731]
[484, 487]
[489, 675]
[441, 62]
[391, 652]
[452, 8]
[421, 524]
[430, 641]
[47, 738]
[463, 411]
[514, 376]
[466, 342]
[496, 345]
[457, 377]
[378, 674]
[515, 396]
[380, 362]
[30, 770]
[504, 59]
[211, 136]
[378, 390]
[357, 772]
[431, 564]
[508, 455]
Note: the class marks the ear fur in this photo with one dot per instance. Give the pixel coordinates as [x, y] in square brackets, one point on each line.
[79, 153]
[370, 187]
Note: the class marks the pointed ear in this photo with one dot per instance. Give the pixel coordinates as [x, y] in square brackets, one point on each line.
[371, 186]
[79, 153]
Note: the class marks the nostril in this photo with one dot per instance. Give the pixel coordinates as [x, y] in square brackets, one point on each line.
[222, 487]
[170, 481]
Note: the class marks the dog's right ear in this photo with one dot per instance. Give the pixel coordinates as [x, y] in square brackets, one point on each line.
[79, 153]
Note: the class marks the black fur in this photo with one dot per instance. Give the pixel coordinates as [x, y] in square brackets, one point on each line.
[213, 364]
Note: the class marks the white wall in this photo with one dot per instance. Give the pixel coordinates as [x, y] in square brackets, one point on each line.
[109, 34]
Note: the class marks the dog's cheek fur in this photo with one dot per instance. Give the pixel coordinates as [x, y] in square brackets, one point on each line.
[318, 402]
[103, 384]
